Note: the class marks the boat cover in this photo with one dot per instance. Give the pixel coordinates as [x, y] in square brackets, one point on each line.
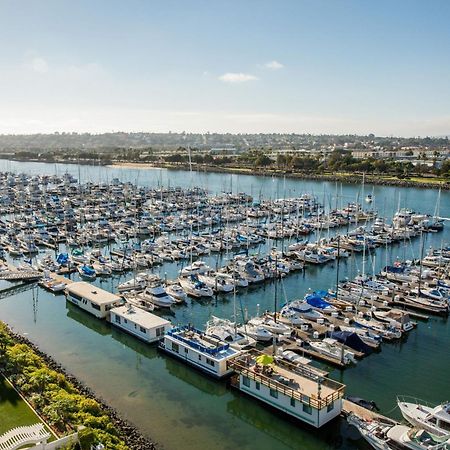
[317, 301]
[62, 258]
[88, 270]
[352, 340]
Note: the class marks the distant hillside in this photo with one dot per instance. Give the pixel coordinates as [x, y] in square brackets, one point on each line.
[239, 142]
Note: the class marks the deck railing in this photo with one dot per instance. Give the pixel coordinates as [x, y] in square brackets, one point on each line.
[314, 401]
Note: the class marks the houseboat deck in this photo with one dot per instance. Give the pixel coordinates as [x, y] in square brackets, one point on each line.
[298, 382]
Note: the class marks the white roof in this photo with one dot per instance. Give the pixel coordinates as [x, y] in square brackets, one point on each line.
[140, 317]
[92, 293]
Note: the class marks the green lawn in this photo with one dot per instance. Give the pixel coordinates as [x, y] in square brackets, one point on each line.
[14, 411]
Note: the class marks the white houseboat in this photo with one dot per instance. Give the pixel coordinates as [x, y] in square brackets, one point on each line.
[207, 353]
[293, 389]
[139, 323]
[92, 299]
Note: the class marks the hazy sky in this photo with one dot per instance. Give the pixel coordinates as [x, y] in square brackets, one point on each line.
[355, 66]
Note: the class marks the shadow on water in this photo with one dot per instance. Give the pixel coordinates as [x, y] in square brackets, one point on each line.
[196, 379]
[86, 319]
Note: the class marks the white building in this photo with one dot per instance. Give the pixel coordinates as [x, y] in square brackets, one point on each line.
[139, 323]
[92, 299]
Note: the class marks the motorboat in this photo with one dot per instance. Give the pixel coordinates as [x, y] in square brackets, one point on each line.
[135, 284]
[226, 331]
[257, 332]
[87, 272]
[196, 268]
[177, 292]
[269, 324]
[52, 285]
[194, 287]
[218, 282]
[292, 316]
[435, 419]
[293, 357]
[331, 347]
[305, 311]
[156, 294]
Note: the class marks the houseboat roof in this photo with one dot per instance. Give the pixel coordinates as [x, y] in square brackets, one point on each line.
[92, 293]
[213, 347]
[139, 316]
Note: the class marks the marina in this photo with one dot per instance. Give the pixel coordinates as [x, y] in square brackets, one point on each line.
[240, 302]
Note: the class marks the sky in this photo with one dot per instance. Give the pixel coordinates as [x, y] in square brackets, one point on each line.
[239, 66]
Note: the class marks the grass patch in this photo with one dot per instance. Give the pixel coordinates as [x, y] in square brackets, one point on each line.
[14, 412]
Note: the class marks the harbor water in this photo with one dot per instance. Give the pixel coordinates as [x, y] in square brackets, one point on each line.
[180, 407]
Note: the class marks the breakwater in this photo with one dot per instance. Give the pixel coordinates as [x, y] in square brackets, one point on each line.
[132, 437]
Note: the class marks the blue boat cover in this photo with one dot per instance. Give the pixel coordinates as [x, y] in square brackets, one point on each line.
[352, 340]
[394, 269]
[316, 301]
[88, 270]
[62, 258]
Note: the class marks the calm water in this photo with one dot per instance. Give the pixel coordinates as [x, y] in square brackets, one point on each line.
[181, 408]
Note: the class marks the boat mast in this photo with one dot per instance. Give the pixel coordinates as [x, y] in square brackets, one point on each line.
[338, 263]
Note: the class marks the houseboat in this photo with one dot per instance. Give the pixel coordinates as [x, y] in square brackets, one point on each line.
[294, 389]
[139, 323]
[207, 353]
[92, 299]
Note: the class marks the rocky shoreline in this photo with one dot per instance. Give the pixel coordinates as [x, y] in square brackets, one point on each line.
[132, 437]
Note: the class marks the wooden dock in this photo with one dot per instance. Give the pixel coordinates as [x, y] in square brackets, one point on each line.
[349, 407]
[60, 278]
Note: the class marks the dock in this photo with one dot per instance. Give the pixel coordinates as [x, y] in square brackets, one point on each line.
[60, 278]
[304, 351]
[349, 407]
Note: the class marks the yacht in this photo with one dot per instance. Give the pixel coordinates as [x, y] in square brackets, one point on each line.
[137, 283]
[269, 324]
[226, 331]
[331, 347]
[416, 439]
[177, 292]
[385, 434]
[194, 287]
[435, 419]
[196, 268]
[156, 294]
[257, 332]
[305, 311]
